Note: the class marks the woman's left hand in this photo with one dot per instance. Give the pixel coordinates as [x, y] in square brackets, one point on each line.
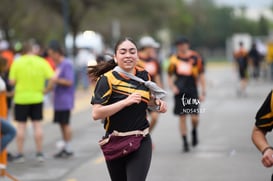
[162, 105]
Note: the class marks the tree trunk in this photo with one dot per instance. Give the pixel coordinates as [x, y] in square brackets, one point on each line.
[74, 47]
[6, 31]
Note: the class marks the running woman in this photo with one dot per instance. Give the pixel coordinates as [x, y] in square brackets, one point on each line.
[123, 102]
[240, 57]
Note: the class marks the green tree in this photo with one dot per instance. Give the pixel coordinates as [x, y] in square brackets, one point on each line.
[21, 20]
[72, 12]
[180, 20]
[135, 17]
[211, 24]
[201, 20]
[263, 26]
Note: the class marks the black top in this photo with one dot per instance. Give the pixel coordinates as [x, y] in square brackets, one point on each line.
[186, 70]
[151, 65]
[264, 116]
[113, 87]
[255, 56]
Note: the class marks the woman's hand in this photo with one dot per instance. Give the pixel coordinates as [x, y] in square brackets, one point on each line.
[267, 158]
[162, 105]
[175, 90]
[102, 111]
[202, 97]
[134, 98]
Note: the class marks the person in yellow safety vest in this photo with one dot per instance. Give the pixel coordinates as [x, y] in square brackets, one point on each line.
[269, 58]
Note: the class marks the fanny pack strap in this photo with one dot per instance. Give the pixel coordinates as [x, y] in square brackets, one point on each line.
[128, 133]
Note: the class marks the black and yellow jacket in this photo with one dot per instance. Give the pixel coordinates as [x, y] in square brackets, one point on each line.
[264, 116]
[112, 87]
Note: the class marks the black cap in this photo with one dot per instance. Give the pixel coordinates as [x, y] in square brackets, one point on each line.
[181, 40]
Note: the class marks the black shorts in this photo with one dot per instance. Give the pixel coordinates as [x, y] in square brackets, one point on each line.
[24, 111]
[243, 73]
[186, 103]
[61, 117]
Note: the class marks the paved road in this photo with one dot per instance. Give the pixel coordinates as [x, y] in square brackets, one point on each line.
[225, 151]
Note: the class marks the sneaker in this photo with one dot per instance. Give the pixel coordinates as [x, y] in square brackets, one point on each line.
[10, 157]
[186, 148]
[40, 157]
[194, 138]
[63, 154]
[19, 158]
[185, 144]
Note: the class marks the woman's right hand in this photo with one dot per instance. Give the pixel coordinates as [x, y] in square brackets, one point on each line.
[132, 99]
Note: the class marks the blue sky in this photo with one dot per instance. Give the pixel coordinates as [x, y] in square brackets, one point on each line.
[248, 3]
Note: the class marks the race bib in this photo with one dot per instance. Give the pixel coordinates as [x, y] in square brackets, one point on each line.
[151, 68]
[184, 68]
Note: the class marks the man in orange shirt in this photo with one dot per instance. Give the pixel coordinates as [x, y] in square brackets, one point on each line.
[6, 53]
[148, 59]
[6, 129]
[185, 72]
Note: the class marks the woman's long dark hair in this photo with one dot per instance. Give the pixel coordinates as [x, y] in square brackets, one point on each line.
[96, 71]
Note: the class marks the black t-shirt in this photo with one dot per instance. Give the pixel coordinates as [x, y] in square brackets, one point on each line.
[151, 65]
[264, 116]
[186, 70]
[255, 56]
[113, 87]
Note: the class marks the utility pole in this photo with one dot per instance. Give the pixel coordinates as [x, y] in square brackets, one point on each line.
[65, 20]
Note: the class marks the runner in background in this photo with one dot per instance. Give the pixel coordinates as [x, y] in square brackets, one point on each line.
[148, 59]
[256, 58]
[241, 62]
[184, 73]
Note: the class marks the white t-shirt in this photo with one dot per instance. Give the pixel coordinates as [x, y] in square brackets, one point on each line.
[2, 85]
[83, 57]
